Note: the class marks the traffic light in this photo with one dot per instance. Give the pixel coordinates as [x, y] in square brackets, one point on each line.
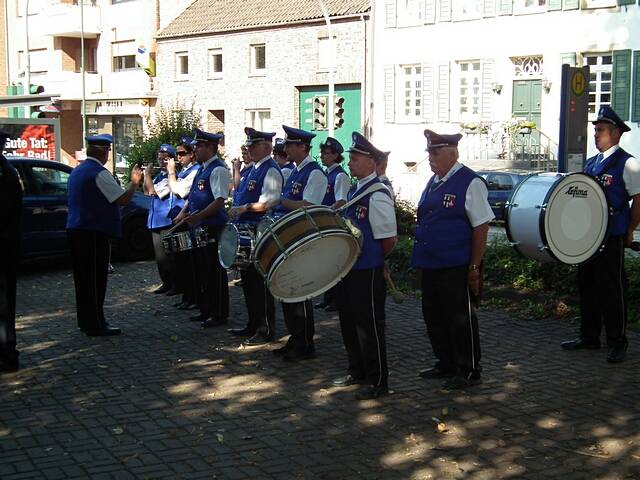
[338, 112]
[34, 89]
[320, 113]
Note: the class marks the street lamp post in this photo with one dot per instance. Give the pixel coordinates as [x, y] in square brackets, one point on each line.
[27, 73]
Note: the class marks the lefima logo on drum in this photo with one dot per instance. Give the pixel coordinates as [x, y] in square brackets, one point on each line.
[577, 192]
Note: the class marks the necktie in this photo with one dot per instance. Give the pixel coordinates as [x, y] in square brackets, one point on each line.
[599, 158]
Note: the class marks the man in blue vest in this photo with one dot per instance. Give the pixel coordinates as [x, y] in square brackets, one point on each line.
[338, 185]
[602, 279]
[306, 186]
[94, 199]
[180, 184]
[281, 159]
[451, 236]
[205, 208]
[260, 188]
[361, 294]
[241, 167]
[159, 220]
[381, 170]
[10, 213]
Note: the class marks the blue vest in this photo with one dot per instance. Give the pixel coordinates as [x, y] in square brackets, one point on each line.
[159, 210]
[88, 207]
[244, 174]
[294, 188]
[330, 196]
[443, 232]
[372, 255]
[288, 166]
[252, 189]
[201, 196]
[609, 174]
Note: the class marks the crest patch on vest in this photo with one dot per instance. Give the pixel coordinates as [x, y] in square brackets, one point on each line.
[251, 185]
[201, 184]
[606, 179]
[362, 212]
[449, 200]
[296, 188]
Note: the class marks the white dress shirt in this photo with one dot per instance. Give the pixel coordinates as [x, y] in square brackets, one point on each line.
[630, 174]
[382, 214]
[272, 185]
[316, 187]
[106, 183]
[182, 186]
[342, 185]
[219, 179]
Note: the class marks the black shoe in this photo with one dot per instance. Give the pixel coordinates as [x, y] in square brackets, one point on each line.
[198, 318]
[293, 355]
[172, 291]
[331, 308]
[242, 332]
[437, 372]
[278, 352]
[187, 306]
[346, 381]
[369, 392]
[162, 289]
[321, 305]
[10, 363]
[110, 269]
[213, 322]
[258, 339]
[105, 332]
[616, 354]
[460, 382]
[580, 344]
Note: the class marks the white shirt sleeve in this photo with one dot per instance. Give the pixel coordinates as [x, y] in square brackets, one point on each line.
[108, 186]
[272, 186]
[631, 176]
[219, 181]
[162, 188]
[382, 216]
[476, 203]
[183, 185]
[342, 186]
[316, 187]
[286, 173]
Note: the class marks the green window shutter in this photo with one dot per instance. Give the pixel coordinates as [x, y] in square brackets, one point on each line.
[505, 7]
[554, 5]
[635, 96]
[620, 90]
[445, 11]
[390, 13]
[569, 58]
[389, 94]
[570, 4]
[488, 8]
[427, 92]
[626, 2]
[429, 11]
[442, 114]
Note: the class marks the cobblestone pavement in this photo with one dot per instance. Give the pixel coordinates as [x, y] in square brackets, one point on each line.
[169, 400]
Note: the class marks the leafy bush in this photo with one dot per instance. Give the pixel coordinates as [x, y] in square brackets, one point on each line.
[406, 217]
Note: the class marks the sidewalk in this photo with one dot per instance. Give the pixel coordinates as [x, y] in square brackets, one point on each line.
[169, 400]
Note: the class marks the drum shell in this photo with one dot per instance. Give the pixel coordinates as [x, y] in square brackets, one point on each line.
[239, 239]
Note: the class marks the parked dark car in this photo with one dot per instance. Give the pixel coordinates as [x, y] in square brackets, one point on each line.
[44, 213]
[501, 186]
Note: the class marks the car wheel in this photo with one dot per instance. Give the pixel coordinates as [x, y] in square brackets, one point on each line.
[135, 243]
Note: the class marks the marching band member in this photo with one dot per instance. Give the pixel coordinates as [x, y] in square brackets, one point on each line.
[260, 188]
[205, 208]
[180, 184]
[381, 170]
[241, 167]
[280, 157]
[306, 186]
[362, 292]
[601, 280]
[94, 217]
[451, 236]
[159, 221]
[338, 185]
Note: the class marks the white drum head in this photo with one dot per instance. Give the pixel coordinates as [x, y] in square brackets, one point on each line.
[576, 219]
[313, 268]
[228, 245]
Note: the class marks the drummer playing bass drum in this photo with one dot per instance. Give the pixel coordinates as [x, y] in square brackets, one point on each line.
[260, 187]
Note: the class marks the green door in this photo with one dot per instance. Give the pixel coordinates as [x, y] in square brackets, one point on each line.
[527, 97]
[352, 114]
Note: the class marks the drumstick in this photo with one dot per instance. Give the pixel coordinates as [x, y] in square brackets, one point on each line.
[172, 229]
[396, 295]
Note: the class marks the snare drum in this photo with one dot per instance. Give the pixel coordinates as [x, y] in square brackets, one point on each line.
[201, 238]
[306, 252]
[235, 247]
[177, 242]
[556, 217]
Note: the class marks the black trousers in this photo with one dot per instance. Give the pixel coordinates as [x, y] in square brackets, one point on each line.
[298, 317]
[361, 302]
[165, 261]
[186, 275]
[451, 320]
[90, 258]
[8, 258]
[259, 301]
[602, 283]
[213, 286]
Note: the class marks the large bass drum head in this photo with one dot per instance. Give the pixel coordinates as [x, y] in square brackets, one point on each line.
[576, 219]
[228, 245]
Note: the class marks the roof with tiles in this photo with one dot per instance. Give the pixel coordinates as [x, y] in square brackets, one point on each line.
[212, 16]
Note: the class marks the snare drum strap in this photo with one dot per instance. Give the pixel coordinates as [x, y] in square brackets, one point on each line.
[373, 188]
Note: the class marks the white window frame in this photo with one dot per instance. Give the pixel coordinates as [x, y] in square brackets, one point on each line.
[211, 54]
[324, 53]
[599, 4]
[409, 88]
[259, 118]
[467, 9]
[410, 12]
[38, 66]
[520, 7]
[457, 94]
[254, 69]
[180, 75]
[598, 69]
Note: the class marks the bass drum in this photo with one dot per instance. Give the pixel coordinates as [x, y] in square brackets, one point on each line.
[306, 252]
[558, 217]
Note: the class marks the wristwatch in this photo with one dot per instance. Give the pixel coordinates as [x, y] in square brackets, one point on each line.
[473, 267]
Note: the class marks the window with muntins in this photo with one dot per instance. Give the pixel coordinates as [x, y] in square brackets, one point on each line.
[124, 62]
[467, 9]
[258, 58]
[260, 119]
[215, 63]
[469, 90]
[182, 65]
[600, 76]
[410, 12]
[410, 89]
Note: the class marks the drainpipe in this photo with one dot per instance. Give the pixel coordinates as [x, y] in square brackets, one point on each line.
[27, 73]
[332, 69]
